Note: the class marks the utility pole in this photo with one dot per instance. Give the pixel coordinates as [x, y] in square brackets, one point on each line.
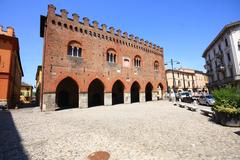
[172, 63]
[174, 87]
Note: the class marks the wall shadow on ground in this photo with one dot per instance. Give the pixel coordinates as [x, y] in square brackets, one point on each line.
[11, 147]
[30, 105]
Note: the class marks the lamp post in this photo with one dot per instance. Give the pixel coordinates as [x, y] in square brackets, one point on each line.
[172, 63]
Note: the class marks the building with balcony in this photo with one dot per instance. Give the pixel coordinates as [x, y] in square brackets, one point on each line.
[186, 80]
[222, 57]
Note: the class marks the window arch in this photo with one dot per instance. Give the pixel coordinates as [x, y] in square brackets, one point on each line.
[74, 49]
[111, 56]
[137, 61]
[53, 22]
[156, 66]
[76, 29]
[65, 26]
[71, 27]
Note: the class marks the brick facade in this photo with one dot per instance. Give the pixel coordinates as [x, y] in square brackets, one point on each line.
[92, 69]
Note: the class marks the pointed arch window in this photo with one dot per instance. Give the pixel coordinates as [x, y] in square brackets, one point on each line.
[156, 66]
[111, 56]
[137, 61]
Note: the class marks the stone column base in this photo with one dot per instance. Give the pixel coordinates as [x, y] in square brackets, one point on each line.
[127, 97]
[154, 96]
[83, 100]
[107, 99]
[48, 103]
[142, 97]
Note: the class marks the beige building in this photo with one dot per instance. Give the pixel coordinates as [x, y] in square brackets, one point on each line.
[38, 79]
[186, 80]
[26, 93]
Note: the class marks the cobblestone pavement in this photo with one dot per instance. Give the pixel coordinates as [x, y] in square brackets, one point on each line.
[140, 131]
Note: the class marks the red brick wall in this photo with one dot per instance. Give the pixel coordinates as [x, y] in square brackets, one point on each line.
[57, 65]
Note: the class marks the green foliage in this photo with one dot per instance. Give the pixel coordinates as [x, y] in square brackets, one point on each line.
[227, 100]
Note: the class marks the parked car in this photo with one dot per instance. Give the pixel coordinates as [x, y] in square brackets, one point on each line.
[185, 97]
[206, 100]
[3, 104]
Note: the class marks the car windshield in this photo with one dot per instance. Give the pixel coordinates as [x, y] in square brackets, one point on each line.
[209, 97]
[185, 94]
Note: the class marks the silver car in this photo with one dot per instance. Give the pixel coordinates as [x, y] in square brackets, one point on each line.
[3, 104]
[206, 100]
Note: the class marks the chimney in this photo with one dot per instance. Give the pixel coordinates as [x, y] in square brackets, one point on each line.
[64, 13]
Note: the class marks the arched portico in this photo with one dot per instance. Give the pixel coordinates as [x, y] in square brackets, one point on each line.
[67, 94]
[148, 92]
[118, 92]
[96, 93]
[135, 88]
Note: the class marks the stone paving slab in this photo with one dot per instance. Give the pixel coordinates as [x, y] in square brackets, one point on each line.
[146, 131]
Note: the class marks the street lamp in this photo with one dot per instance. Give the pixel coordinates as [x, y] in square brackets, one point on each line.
[172, 62]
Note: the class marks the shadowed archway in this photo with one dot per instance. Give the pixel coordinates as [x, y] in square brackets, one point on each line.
[148, 92]
[96, 93]
[135, 92]
[67, 94]
[118, 92]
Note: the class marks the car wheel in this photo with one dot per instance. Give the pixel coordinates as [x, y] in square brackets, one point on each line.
[198, 102]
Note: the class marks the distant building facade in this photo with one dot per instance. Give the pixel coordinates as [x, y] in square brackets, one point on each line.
[38, 79]
[26, 93]
[222, 57]
[10, 68]
[187, 80]
[86, 66]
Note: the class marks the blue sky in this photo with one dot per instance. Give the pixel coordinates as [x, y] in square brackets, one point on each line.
[184, 28]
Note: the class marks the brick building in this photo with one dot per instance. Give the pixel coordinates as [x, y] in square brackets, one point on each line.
[10, 68]
[85, 66]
